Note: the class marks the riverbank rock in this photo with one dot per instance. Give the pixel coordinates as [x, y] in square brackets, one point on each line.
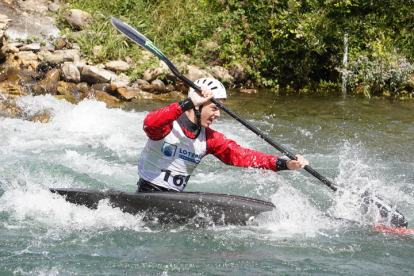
[78, 19]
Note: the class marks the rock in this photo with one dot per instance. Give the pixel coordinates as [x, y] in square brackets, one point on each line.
[11, 48]
[117, 65]
[43, 117]
[102, 87]
[158, 84]
[83, 87]
[97, 51]
[66, 88]
[238, 72]
[12, 90]
[139, 82]
[53, 7]
[60, 56]
[53, 74]
[128, 93]
[171, 96]
[92, 74]
[121, 80]
[18, 75]
[49, 86]
[78, 19]
[153, 73]
[34, 47]
[27, 59]
[60, 43]
[71, 73]
[249, 90]
[194, 73]
[9, 108]
[111, 101]
[222, 74]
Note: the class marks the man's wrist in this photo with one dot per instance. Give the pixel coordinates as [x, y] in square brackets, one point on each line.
[281, 163]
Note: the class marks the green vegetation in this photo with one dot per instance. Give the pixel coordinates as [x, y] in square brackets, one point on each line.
[290, 43]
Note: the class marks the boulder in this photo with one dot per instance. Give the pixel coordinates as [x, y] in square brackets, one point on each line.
[121, 80]
[71, 73]
[78, 19]
[92, 75]
[117, 65]
[195, 73]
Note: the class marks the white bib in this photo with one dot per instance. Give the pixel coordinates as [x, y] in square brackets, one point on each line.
[169, 162]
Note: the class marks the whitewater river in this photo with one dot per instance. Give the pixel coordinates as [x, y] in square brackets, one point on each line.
[359, 144]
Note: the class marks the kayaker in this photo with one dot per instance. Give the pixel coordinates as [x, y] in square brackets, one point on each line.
[180, 136]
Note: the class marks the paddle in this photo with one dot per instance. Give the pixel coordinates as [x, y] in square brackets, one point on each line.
[397, 219]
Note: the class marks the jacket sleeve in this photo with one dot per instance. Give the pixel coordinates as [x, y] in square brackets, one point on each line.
[158, 123]
[230, 153]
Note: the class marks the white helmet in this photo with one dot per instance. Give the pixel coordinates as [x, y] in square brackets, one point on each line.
[215, 86]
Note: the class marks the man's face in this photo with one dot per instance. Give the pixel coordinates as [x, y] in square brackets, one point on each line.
[209, 113]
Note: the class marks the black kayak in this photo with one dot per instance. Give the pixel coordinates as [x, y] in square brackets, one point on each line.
[168, 207]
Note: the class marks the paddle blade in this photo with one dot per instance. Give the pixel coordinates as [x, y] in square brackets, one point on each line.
[391, 216]
[139, 38]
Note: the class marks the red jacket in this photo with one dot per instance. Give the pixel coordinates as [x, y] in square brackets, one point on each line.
[159, 123]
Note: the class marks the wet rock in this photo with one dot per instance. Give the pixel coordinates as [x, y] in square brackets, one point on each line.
[66, 88]
[53, 74]
[35, 88]
[83, 87]
[3, 76]
[171, 96]
[43, 117]
[49, 86]
[27, 59]
[71, 73]
[92, 74]
[78, 19]
[111, 101]
[249, 90]
[44, 67]
[19, 76]
[12, 90]
[181, 86]
[102, 87]
[9, 108]
[117, 65]
[128, 93]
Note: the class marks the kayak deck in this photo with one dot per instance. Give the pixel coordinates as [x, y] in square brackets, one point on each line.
[168, 207]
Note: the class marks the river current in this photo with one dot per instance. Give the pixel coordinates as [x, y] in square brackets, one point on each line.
[359, 144]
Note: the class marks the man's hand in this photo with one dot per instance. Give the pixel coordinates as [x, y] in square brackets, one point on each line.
[300, 163]
[205, 96]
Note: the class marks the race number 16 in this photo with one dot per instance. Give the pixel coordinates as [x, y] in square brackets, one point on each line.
[178, 180]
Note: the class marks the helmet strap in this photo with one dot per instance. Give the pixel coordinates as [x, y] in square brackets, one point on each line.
[197, 113]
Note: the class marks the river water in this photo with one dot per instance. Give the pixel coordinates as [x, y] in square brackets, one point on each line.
[360, 144]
